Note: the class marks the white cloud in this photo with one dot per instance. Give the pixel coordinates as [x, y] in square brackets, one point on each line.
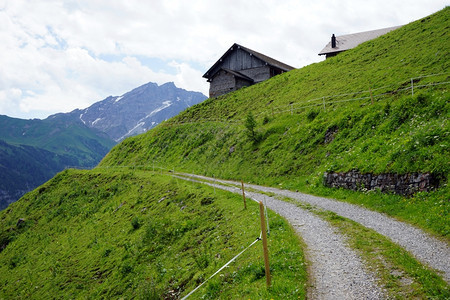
[68, 54]
[187, 77]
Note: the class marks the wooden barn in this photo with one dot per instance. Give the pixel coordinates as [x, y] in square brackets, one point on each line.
[342, 43]
[240, 67]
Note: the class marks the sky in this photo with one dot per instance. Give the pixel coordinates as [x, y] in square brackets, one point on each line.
[57, 55]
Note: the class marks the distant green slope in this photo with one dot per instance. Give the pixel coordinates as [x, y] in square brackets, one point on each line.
[33, 151]
[22, 168]
[57, 134]
[300, 138]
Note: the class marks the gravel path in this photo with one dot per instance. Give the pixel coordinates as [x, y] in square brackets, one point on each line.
[423, 246]
[336, 271]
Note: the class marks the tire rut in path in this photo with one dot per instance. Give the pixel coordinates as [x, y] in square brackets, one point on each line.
[336, 271]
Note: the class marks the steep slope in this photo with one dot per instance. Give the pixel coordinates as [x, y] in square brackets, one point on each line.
[382, 107]
[138, 110]
[137, 235]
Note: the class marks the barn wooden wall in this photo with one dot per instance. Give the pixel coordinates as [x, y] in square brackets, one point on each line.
[244, 63]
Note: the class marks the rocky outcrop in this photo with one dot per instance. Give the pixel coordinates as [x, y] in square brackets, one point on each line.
[402, 184]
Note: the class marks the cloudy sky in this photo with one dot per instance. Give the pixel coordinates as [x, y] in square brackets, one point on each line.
[56, 56]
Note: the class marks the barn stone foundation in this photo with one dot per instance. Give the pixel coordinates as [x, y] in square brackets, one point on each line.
[402, 184]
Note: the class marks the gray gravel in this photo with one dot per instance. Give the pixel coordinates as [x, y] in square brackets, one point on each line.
[423, 246]
[336, 271]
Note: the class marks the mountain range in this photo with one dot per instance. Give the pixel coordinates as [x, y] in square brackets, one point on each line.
[138, 110]
[33, 151]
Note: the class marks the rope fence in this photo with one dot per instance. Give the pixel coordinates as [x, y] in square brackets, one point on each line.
[223, 267]
[263, 234]
[388, 90]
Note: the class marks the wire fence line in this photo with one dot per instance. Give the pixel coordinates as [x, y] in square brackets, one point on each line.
[325, 101]
[262, 236]
[369, 94]
[310, 103]
[223, 267]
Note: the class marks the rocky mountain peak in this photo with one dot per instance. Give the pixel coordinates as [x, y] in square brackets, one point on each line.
[139, 110]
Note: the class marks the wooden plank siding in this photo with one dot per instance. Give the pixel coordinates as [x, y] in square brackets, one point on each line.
[225, 82]
[240, 67]
[240, 60]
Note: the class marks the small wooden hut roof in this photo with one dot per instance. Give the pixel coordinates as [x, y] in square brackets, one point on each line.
[349, 41]
[268, 60]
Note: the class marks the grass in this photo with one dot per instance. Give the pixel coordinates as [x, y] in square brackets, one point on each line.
[136, 234]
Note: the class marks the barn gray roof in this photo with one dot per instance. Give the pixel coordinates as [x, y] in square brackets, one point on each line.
[349, 41]
[270, 61]
[237, 74]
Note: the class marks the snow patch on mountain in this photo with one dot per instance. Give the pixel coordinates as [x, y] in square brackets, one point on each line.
[97, 120]
[81, 118]
[165, 105]
[133, 130]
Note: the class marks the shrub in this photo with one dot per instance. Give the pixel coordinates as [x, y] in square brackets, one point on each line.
[126, 268]
[250, 125]
[135, 223]
[312, 114]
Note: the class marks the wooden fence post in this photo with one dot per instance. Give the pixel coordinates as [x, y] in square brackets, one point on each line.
[243, 195]
[264, 240]
[371, 96]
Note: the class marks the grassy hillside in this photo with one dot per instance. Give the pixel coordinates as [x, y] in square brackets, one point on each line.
[356, 111]
[139, 235]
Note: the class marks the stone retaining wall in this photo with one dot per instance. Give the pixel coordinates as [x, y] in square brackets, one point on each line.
[405, 184]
